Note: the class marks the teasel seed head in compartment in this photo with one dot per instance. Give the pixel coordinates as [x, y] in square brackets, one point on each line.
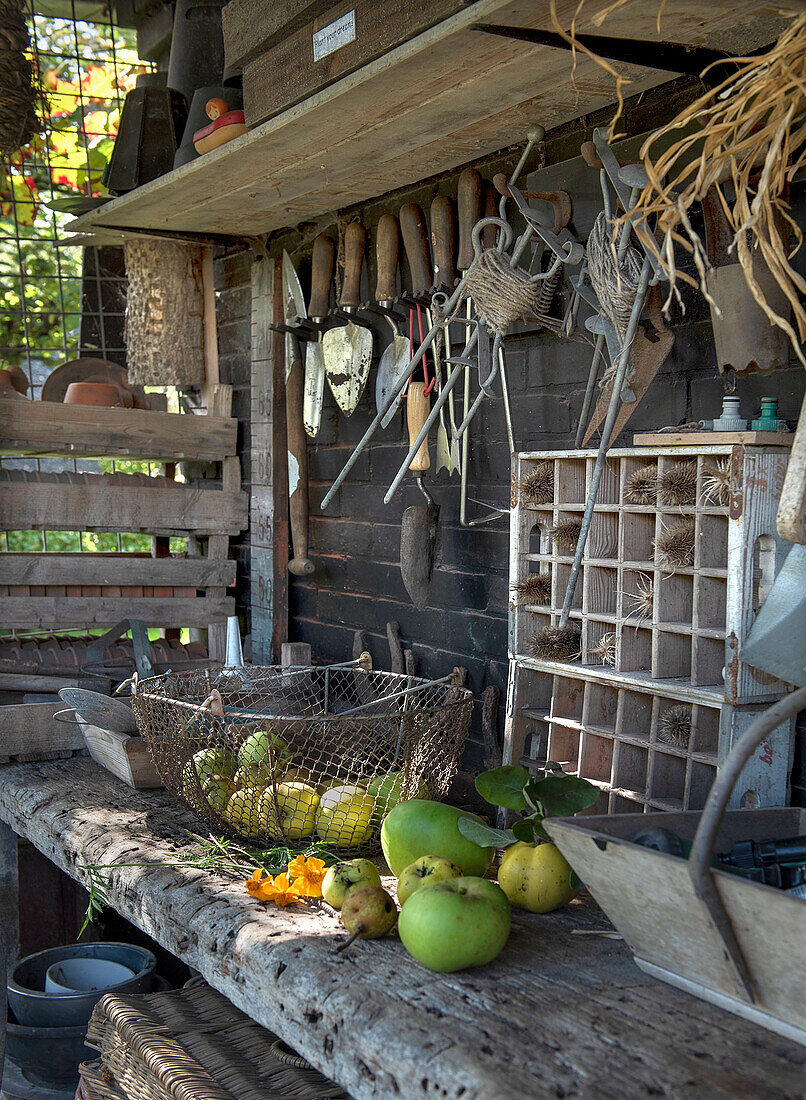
[641, 601]
[678, 484]
[674, 726]
[716, 482]
[675, 546]
[537, 487]
[556, 643]
[534, 589]
[565, 533]
[642, 485]
[605, 648]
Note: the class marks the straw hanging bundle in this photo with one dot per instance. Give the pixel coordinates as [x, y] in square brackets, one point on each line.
[19, 81]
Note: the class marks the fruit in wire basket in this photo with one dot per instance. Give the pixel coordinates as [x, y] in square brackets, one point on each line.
[340, 879]
[263, 753]
[388, 790]
[218, 790]
[455, 924]
[296, 804]
[536, 877]
[419, 828]
[345, 816]
[424, 870]
[368, 912]
[202, 767]
[243, 811]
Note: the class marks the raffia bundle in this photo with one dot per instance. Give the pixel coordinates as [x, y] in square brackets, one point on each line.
[19, 80]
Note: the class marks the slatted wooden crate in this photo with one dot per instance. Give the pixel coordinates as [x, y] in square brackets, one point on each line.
[48, 590]
[701, 612]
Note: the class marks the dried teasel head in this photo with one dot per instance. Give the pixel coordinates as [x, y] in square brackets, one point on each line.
[642, 485]
[716, 482]
[565, 534]
[556, 643]
[605, 649]
[534, 589]
[675, 546]
[678, 484]
[537, 487]
[643, 598]
[674, 726]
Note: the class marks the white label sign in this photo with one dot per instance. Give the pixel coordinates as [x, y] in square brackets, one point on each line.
[334, 36]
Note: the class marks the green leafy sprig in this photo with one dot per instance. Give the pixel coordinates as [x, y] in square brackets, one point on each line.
[512, 788]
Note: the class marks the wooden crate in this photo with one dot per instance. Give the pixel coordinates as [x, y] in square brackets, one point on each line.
[609, 731]
[649, 896]
[72, 590]
[702, 612]
[125, 756]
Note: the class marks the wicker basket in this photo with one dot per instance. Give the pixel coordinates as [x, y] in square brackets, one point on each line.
[293, 756]
[191, 1044]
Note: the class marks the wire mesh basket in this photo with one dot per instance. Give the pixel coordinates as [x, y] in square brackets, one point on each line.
[295, 755]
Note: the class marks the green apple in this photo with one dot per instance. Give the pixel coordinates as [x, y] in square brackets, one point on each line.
[243, 813]
[202, 766]
[455, 924]
[218, 790]
[417, 828]
[424, 870]
[388, 790]
[342, 877]
[264, 751]
[297, 804]
[344, 818]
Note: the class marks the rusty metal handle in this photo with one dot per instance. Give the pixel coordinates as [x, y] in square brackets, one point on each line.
[702, 848]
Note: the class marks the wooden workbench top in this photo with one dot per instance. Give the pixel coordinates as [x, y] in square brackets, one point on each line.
[558, 1015]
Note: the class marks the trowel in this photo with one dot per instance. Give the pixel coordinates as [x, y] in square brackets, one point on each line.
[418, 529]
[294, 308]
[348, 350]
[398, 352]
[321, 274]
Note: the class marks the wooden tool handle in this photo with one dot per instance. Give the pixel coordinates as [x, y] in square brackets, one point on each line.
[418, 406]
[300, 565]
[468, 199]
[387, 250]
[501, 184]
[415, 239]
[355, 241]
[589, 154]
[324, 253]
[489, 235]
[443, 231]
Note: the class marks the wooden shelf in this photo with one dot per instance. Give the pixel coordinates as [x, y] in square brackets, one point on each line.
[447, 97]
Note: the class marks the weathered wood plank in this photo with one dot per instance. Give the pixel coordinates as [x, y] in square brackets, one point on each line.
[121, 569]
[446, 97]
[557, 1015]
[48, 428]
[30, 728]
[36, 611]
[158, 511]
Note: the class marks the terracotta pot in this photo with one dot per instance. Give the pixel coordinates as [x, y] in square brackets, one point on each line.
[19, 379]
[9, 387]
[105, 394]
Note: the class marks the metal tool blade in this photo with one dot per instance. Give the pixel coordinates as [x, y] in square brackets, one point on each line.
[776, 640]
[294, 302]
[393, 361]
[418, 536]
[347, 355]
[314, 388]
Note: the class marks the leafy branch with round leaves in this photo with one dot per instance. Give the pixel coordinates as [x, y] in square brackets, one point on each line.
[512, 788]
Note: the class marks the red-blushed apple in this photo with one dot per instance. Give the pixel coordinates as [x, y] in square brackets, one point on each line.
[424, 870]
[455, 924]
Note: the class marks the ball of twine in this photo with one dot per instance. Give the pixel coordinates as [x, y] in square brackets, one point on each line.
[502, 293]
[19, 81]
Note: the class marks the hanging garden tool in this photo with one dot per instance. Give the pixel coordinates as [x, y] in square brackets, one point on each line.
[348, 350]
[418, 529]
[397, 353]
[443, 231]
[415, 241]
[300, 563]
[324, 253]
[468, 200]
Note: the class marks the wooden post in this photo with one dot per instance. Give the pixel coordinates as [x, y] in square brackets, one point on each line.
[9, 922]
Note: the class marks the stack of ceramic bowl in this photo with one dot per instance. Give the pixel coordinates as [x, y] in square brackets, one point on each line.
[51, 996]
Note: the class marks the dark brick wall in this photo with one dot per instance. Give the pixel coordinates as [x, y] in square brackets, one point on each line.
[355, 545]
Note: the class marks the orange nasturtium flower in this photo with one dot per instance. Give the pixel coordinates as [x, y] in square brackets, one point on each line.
[307, 875]
[282, 891]
[257, 885]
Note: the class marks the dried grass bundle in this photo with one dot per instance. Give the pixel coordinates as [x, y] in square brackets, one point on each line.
[538, 486]
[678, 484]
[643, 598]
[605, 649]
[534, 589]
[20, 87]
[642, 485]
[674, 726]
[675, 546]
[556, 643]
[716, 482]
[565, 534]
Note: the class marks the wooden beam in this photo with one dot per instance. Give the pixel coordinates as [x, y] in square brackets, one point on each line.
[115, 569]
[36, 611]
[48, 428]
[30, 729]
[158, 511]
[262, 539]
